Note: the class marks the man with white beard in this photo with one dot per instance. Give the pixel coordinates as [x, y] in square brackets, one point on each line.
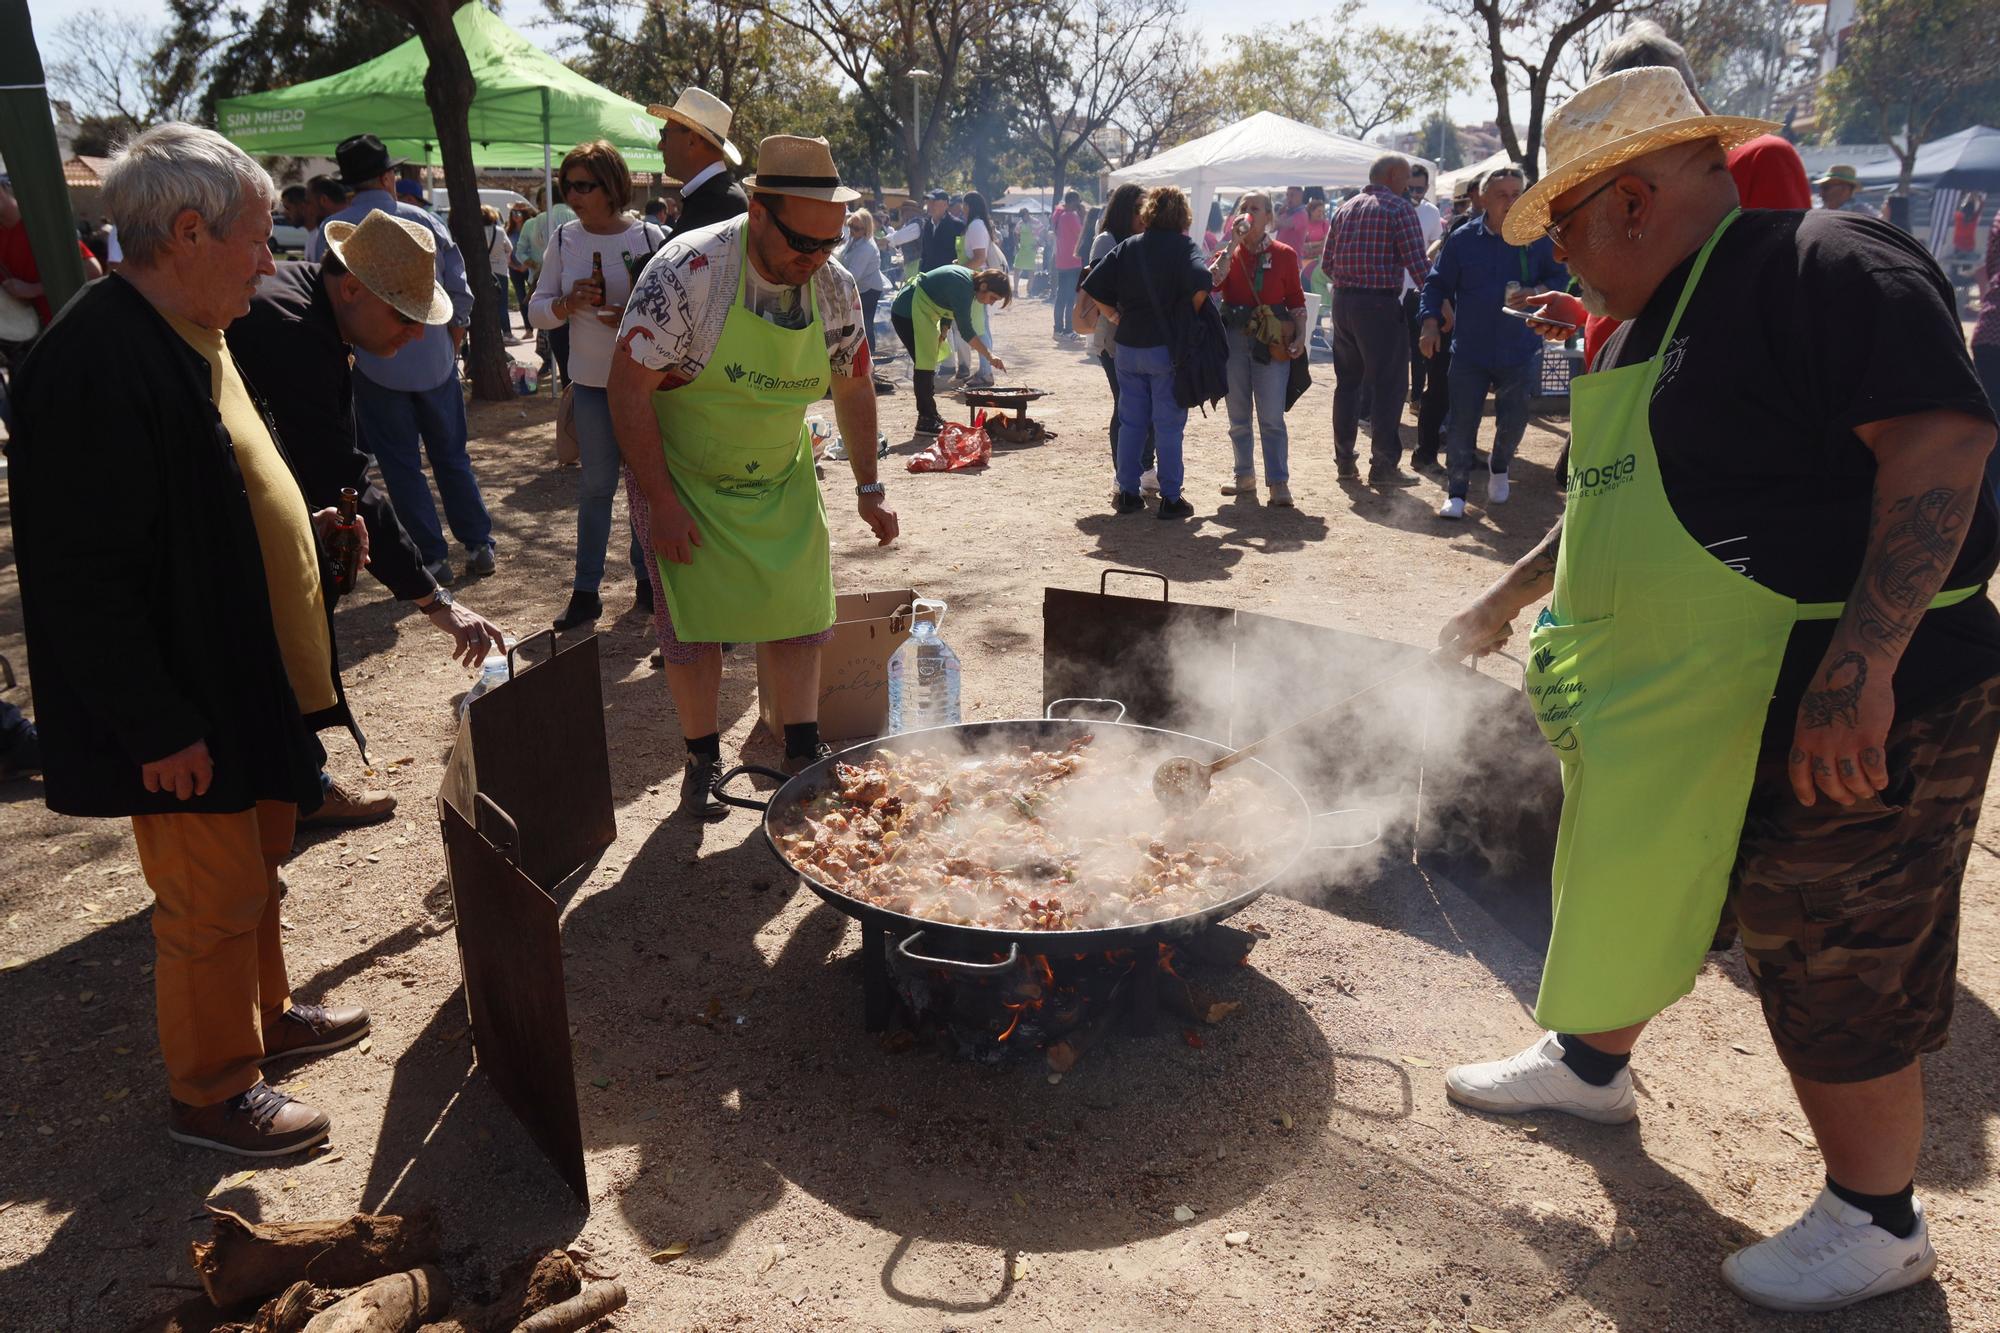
[1768, 666]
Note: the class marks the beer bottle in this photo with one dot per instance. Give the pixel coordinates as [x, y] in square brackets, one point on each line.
[597, 275]
[344, 550]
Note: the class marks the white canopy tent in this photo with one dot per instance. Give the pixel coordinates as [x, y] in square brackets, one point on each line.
[1267, 151]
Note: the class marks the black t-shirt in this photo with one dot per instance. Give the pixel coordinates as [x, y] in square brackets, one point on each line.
[1168, 262]
[1805, 326]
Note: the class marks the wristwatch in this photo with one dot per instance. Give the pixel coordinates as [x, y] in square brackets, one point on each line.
[440, 596]
[871, 488]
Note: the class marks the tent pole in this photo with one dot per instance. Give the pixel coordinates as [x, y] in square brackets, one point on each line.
[548, 175]
[28, 142]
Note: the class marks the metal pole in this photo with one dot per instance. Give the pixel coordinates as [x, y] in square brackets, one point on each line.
[34, 158]
[548, 173]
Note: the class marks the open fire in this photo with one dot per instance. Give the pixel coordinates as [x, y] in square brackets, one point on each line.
[1059, 1007]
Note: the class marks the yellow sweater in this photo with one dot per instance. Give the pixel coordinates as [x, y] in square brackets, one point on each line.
[284, 526]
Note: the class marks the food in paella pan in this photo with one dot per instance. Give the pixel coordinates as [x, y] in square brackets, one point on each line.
[1032, 839]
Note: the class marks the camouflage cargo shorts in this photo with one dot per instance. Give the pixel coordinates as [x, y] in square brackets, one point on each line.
[1849, 914]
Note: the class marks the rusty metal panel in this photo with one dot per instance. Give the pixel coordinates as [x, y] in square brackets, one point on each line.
[1097, 645]
[536, 747]
[510, 950]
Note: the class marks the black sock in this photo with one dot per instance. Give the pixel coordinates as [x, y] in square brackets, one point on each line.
[1894, 1213]
[707, 747]
[801, 740]
[1595, 1067]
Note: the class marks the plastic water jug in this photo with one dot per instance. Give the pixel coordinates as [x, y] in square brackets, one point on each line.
[923, 675]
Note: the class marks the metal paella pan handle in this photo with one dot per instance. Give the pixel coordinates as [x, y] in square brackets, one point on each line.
[955, 965]
[1049, 713]
[747, 802]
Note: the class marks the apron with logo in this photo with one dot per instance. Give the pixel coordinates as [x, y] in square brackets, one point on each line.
[740, 455]
[1651, 673]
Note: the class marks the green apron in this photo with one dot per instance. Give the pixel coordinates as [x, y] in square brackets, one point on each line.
[927, 321]
[740, 455]
[1651, 673]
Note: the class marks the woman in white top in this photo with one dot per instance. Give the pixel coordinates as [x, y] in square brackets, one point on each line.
[605, 236]
[863, 262]
[499, 257]
[980, 254]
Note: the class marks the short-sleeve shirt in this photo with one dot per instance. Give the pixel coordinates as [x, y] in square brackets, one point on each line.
[1806, 325]
[1144, 276]
[675, 315]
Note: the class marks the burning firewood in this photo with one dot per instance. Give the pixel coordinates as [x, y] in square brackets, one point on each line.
[246, 1261]
[1193, 1003]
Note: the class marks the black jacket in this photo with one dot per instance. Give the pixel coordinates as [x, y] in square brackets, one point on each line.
[142, 584]
[291, 355]
[937, 244]
[719, 199]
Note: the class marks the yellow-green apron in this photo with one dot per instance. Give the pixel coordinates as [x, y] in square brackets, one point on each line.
[740, 455]
[927, 323]
[1651, 673]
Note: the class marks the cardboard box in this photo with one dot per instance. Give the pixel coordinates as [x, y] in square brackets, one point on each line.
[854, 666]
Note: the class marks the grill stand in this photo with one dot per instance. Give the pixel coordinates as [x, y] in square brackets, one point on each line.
[877, 997]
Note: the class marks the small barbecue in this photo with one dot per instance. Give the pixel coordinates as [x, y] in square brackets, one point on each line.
[1020, 429]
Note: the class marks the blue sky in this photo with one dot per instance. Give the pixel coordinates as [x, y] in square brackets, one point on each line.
[1215, 17]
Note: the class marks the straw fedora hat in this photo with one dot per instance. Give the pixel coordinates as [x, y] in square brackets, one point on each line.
[395, 259]
[707, 115]
[790, 164]
[1620, 117]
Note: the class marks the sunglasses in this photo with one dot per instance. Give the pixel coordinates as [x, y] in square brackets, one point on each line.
[1554, 228]
[580, 186]
[805, 245]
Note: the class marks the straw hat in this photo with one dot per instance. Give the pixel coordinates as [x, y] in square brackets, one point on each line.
[790, 164]
[1620, 117]
[707, 115]
[1840, 175]
[395, 259]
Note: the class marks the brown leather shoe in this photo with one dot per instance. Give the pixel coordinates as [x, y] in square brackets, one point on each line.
[343, 806]
[262, 1122]
[305, 1029]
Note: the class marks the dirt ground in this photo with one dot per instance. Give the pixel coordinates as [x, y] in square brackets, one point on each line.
[822, 1181]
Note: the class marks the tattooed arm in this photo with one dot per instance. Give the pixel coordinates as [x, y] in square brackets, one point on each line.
[1487, 624]
[1929, 469]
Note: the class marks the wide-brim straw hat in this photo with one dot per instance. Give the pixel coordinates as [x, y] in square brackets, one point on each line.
[1620, 117]
[707, 115]
[395, 259]
[795, 165]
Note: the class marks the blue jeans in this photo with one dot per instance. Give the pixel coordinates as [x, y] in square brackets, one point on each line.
[1146, 402]
[1066, 280]
[390, 423]
[1263, 386]
[597, 451]
[1510, 418]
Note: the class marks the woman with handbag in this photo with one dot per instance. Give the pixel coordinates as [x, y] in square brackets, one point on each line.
[587, 272]
[1143, 286]
[1121, 219]
[1264, 310]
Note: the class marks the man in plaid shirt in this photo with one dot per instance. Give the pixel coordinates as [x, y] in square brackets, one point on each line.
[1376, 240]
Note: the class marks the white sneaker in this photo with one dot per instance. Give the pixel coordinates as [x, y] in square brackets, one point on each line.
[1452, 508]
[1833, 1256]
[1497, 488]
[1538, 1080]
[1149, 481]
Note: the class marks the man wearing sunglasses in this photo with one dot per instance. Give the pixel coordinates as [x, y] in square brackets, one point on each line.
[730, 334]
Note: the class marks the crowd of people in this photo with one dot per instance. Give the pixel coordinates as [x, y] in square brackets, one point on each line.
[1766, 624]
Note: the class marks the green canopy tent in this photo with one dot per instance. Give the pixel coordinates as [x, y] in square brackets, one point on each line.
[528, 104]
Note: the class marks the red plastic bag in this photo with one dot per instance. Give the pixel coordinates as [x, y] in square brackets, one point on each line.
[957, 448]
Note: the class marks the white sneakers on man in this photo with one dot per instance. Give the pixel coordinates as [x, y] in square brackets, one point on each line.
[1452, 508]
[1497, 488]
[1538, 1080]
[1833, 1256]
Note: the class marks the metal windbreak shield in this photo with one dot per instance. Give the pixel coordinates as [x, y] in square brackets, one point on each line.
[526, 802]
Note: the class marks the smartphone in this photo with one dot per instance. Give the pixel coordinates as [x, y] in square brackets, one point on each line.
[1539, 319]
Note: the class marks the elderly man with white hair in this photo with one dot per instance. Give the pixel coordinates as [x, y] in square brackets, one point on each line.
[1375, 243]
[172, 582]
[1768, 665]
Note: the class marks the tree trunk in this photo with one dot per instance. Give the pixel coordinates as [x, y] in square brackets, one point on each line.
[449, 90]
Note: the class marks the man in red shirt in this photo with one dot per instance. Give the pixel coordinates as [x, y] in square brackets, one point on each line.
[20, 274]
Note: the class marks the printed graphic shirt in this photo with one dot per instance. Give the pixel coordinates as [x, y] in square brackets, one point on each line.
[674, 318]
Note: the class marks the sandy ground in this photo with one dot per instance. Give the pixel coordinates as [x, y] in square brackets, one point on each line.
[823, 1181]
